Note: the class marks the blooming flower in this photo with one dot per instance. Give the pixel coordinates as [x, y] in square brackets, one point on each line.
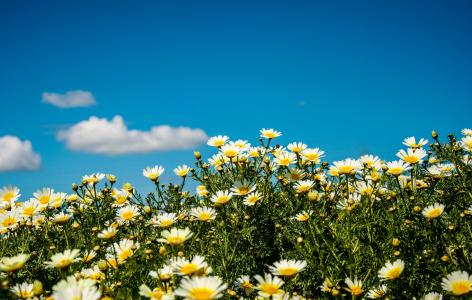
[153, 173]
[433, 211]
[63, 260]
[14, 263]
[288, 268]
[24, 290]
[252, 198]
[412, 156]
[217, 141]
[175, 237]
[378, 292]
[182, 170]
[269, 133]
[221, 197]
[392, 271]
[396, 168]
[203, 213]
[354, 286]
[8, 195]
[412, 143]
[201, 288]
[457, 283]
[269, 286]
[73, 289]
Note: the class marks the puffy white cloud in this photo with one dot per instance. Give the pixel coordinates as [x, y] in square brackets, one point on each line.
[70, 99]
[98, 135]
[17, 155]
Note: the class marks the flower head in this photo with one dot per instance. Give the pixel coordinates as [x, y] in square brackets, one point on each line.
[175, 237]
[433, 211]
[392, 271]
[269, 133]
[14, 263]
[269, 286]
[288, 268]
[457, 283]
[201, 288]
[64, 259]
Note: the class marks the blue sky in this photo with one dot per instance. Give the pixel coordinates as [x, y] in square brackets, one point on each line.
[349, 77]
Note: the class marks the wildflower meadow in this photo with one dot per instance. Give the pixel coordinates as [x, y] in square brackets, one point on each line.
[265, 221]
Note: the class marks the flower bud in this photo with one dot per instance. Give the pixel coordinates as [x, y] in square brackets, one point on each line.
[395, 242]
[37, 287]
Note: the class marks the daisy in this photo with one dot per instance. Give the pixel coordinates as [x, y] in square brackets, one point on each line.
[433, 211]
[378, 292]
[354, 286]
[57, 199]
[230, 150]
[217, 141]
[269, 286]
[457, 283]
[93, 179]
[63, 260]
[14, 263]
[175, 237]
[165, 220]
[72, 289]
[392, 271]
[217, 160]
[61, 218]
[302, 217]
[466, 143]
[92, 273]
[124, 249]
[254, 152]
[269, 133]
[348, 166]
[182, 170]
[10, 219]
[304, 186]
[370, 162]
[242, 144]
[365, 188]
[312, 155]
[296, 147]
[243, 188]
[467, 131]
[24, 290]
[295, 174]
[205, 214]
[127, 213]
[396, 168]
[285, 159]
[8, 195]
[153, 173]
[201, 288]
[245, 283]
[184, 267]
[412, 156]
[165, 273]
[433, 296]
[107, 233]
[44, 196]
[288, 268]
[121, 198]
[221, 197]
[202, 191]
[252, 198]
[327, 285]
[89, 255]
[155, 294]
[411, 142]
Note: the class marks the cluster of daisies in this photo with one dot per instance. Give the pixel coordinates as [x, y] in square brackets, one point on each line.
[116, 217]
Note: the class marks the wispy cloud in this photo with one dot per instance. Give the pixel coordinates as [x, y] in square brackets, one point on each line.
[99, 135]
[16, 155]
[70, 99]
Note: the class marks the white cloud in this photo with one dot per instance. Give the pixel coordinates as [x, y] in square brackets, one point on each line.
[98, 135]
[17, 155]
[70, 99]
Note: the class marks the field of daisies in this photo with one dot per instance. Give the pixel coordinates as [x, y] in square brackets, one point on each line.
[265, 221]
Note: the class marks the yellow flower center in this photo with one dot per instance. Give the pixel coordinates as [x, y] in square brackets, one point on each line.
[411, 159]
[345, 169]
[252, 199]
[393, 273]
[175, 240]
[288, 271]
[44, 199]
[312, 156]
[121, 200]
[166, 223]
[127, 215]
[9, 221]
[269, 288]
[125, 254]
[461, 287]
[201, 293]
[303, 218]
[189, 268]
[284, 161]
[356, 290]
[8, 196]
[64, 262]
[204, 216]
[434, 213]
[395, 170]
[222, 199]
[230, 152]
[243, 190]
